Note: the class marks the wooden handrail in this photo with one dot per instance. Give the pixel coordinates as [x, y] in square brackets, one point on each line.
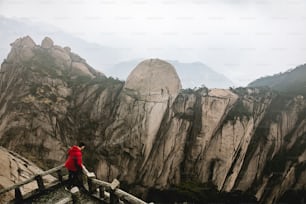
[119, 193]
[50, 171]
[44, 173]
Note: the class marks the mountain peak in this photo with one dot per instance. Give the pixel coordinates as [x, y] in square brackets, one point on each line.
[154, 76]
[47, 43]
[26, 41]
[24, 49]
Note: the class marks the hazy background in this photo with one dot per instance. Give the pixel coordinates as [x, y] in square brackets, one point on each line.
[242, 39]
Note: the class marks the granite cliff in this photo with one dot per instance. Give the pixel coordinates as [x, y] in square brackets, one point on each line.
[147, 131]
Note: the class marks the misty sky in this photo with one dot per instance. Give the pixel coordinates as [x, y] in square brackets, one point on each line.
[243, 39]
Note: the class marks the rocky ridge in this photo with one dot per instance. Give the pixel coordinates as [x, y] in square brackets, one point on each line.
[147, 132]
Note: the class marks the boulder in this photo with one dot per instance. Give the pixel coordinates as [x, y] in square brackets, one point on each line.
[61, 57]
[68, 49]
[152, 79]
[47, 43]
[26, 41]
[80, 68]
[22, 49]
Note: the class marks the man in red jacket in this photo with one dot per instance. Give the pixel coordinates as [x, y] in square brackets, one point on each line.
[74, 165]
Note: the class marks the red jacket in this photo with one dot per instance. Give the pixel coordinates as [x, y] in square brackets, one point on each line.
[74, 161]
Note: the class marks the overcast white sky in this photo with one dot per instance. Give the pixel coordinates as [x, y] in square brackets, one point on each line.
[243, 39]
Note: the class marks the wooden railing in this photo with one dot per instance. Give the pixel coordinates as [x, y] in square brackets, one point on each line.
[112, 191]
[39, 180]
[107, 192]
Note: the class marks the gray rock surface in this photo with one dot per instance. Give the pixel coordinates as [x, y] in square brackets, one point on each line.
[47, 43]
[22, 50]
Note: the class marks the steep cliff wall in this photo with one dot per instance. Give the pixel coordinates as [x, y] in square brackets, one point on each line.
[147, 132]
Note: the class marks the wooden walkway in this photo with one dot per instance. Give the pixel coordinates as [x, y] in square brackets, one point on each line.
[96, 191]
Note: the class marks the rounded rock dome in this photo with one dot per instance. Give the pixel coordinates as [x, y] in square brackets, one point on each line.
[154, 77]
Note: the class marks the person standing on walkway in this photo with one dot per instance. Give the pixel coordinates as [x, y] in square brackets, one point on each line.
[74, 165]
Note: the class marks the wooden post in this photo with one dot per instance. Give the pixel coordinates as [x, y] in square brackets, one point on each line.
[113, 198]
[40, 183]
[75, 193]
[90, 187]
[18, 195]
[101, 192]
[59, 175]
[120, 194]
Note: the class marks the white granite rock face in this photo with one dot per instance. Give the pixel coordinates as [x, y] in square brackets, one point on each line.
[153, 79]
[147, 94]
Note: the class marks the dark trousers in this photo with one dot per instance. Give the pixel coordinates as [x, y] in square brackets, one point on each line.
[75, 179]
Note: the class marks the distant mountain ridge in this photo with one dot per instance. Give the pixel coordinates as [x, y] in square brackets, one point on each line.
[292, 81]
[197, 74]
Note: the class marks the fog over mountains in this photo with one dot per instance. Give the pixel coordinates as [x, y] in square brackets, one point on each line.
[111, 61]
